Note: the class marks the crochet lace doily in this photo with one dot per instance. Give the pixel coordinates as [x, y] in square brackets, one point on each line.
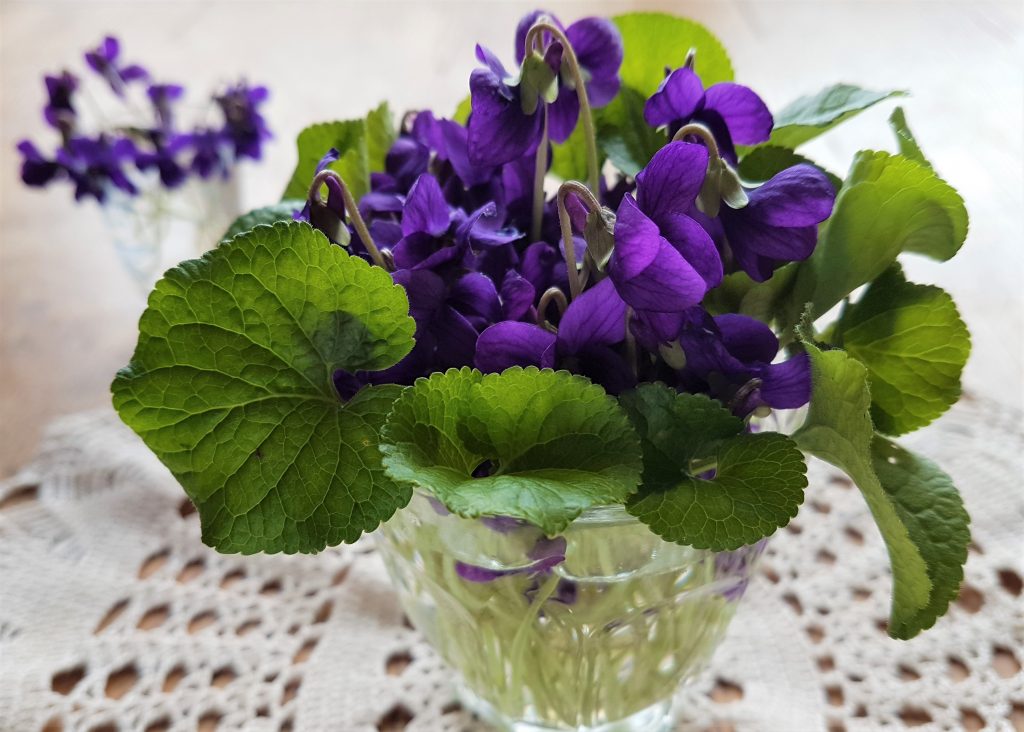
[113, 615]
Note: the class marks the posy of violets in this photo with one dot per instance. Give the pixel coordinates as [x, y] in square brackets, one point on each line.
[430, 309]
[97, 162]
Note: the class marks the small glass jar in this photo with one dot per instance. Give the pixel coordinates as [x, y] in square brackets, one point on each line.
[593, 630]
[158, 227]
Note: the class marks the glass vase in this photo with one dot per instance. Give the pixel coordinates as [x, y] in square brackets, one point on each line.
[159, 227]
[594, 630]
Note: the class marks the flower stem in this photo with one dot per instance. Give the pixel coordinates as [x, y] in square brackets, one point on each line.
[591, 202]
[695, 128]
[545, 25]
[551, 295]
[539, 171]
[353, 212]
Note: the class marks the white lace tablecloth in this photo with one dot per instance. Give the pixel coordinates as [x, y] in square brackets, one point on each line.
[113, 615]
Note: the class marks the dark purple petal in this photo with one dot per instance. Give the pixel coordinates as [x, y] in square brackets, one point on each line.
[406, 160]
[669, 184]
[510, 343]
[35, 169]
[523, 27]
[483, 228]
[563, 114]
[475, 296]
[651, 328]
[485, 56]
[457, 151]
[456, 339]
[602, 365]
[695, 244]
[474, 573]
[787, 385]
[649, 273]
[598, 47]
[517, 296]
[425, 209]
[503, 524]
[597, 317]
[748, 234]
[499, 131]
[746, 338]
[543, 266]
[425, 291]
[547, 553]
[798, 196]
[680, 96]
[746, 116]
[422, 251]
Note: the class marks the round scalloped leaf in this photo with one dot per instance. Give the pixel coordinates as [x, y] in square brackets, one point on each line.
[231, 385]
[758, 487]
[555, 444]
[914, 345]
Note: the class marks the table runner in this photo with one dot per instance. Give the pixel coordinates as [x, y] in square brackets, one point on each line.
[114, 616]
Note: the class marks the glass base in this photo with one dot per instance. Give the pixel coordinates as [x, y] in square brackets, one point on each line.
[655, 718]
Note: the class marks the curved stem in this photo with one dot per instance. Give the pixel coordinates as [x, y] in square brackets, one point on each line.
[695, 128]
[551, 295]
[565, 223]
[353, 212]
[533, 36]
[539, 171]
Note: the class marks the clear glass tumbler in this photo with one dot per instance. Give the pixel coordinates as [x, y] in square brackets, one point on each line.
[593, 630]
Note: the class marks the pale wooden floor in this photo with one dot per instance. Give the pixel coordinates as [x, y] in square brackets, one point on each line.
[67, 311]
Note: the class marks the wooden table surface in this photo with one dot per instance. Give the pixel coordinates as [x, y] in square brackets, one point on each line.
[68, 311]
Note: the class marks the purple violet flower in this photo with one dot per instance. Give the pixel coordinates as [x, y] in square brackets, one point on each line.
[97, 164]
[163, 96]
[664, 261]
[726, 352]
[779, 224]
[36, 170]
[59, 111]
[733, 113]
[546, 555]
[597, 44]
[328, 218]
[592, 324]
[500, 131]
[244, 126]
[104, 61]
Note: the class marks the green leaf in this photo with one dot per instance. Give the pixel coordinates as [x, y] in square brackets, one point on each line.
[758, 487]
[569, 160]
[557, 444]
[765, 161]
[758, 484]
[888, 205]
[623, 134]
[905, 138]
[838, 430]
[740, 294]
[914, 345]
[363, 143]
[380, 136]
[349, 138]
[815, 114]
[676, 428]
[266, 215]
[930, 507]
[653, 41]
[231, 385]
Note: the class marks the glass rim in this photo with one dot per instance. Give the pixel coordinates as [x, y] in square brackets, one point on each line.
[609, 514]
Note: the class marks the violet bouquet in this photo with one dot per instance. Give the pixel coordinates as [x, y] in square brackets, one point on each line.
[143, 150]
[596, 288]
